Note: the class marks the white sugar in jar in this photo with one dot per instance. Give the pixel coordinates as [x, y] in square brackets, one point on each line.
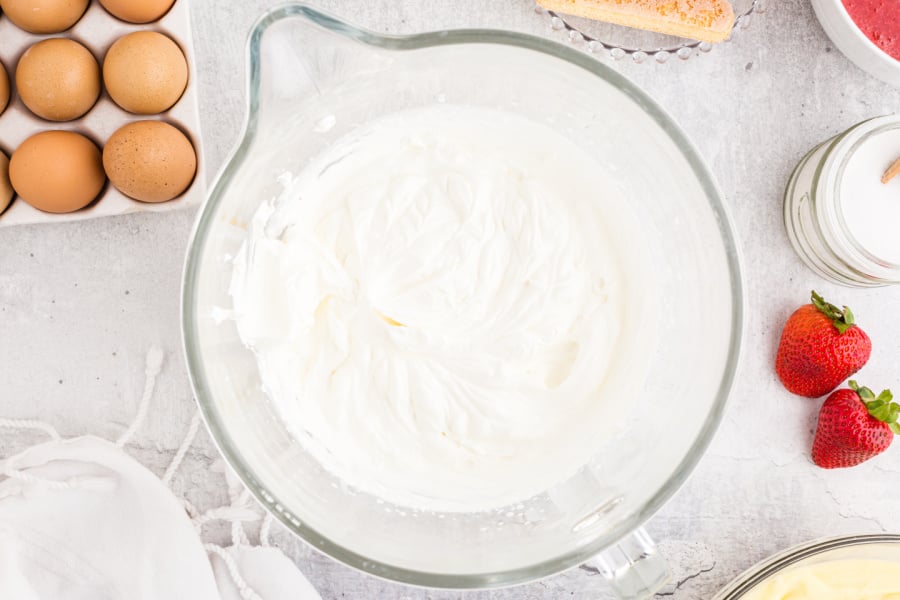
[842, 220]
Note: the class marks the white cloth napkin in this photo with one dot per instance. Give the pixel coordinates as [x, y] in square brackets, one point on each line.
[82, 520]
[267, 571]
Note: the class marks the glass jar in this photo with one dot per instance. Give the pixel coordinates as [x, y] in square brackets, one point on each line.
[841, 219]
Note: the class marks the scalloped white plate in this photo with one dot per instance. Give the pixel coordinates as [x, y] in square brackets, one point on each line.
[618, 42]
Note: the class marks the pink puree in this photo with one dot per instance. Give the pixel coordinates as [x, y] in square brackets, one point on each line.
[879, 20]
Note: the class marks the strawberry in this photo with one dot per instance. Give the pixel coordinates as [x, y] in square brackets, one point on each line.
[820, 347]
[854, 426]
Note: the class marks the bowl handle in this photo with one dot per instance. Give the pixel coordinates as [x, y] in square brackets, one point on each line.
[634, 567]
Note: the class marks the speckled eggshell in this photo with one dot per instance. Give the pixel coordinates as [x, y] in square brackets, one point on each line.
[145, 72]
[6, 189]
[58, 79]
[4, 88]
[97, 30]
[150, 161]
[57, 171]
[137, 11]
[44, 16]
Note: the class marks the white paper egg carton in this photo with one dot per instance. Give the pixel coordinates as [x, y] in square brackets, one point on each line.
[98, 30]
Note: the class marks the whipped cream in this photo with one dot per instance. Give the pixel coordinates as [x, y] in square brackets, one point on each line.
[448, 307]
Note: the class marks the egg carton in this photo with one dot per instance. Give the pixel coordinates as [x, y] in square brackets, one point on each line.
[98, 30]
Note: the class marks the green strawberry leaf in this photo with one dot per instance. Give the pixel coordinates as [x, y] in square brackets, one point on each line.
[882, 413]
[866, 394]
[843, 320]
[882, 408]
[894, 413]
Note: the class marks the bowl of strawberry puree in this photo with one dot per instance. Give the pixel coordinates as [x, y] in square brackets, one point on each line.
[867, 32]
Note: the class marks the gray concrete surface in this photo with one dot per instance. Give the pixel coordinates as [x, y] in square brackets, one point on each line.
[81, 303]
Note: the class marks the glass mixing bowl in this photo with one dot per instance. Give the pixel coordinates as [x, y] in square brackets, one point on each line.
[881, 547]
[312, 79]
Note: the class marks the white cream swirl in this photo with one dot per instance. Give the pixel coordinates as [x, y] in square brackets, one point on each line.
[436, 304]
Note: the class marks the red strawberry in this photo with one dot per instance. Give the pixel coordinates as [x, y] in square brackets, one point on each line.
[854, 426]
[820, 347]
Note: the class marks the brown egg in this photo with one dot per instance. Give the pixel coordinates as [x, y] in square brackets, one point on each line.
[6, 190]
[4, 88]
[58, 79]
[137, 11]
[44, 16]
[150, 161]
[145, 72]
[57, 171]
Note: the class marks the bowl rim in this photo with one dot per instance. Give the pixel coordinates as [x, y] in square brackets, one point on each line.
[874, 58]
[766, 568]
[204, 221]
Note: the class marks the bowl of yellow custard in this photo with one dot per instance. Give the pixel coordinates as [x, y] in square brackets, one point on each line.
[861, 567]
